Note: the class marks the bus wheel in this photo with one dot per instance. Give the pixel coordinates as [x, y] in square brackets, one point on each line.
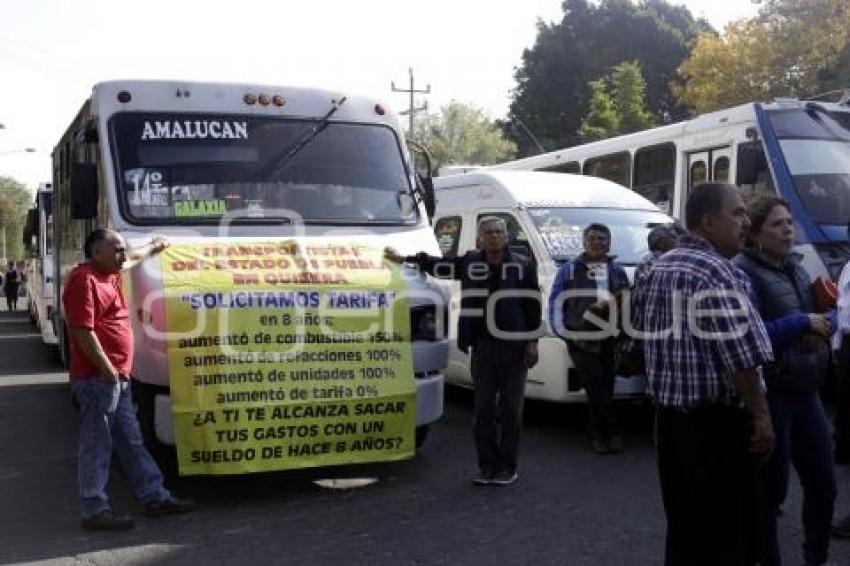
[421, 435]
[166, 456]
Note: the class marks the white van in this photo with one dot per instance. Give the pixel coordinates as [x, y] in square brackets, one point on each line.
[545, 214]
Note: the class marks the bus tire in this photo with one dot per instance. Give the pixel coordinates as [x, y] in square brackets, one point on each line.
[421, 436]
[165, 456]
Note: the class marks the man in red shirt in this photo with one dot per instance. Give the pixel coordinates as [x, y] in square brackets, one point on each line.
[101, 359]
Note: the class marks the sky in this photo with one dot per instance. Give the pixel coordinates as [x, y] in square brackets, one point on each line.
[53, 51]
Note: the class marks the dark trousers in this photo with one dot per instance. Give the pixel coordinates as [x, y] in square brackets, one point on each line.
[596, 372]
[802, 438]
[709, 485]
[498, 374]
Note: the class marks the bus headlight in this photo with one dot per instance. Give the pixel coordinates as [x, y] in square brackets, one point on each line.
[426, 324]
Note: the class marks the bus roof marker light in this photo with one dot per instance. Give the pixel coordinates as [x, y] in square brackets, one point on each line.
[124, 97]
[379, 110]
[278, 100]
[249, 99]
[264, 100]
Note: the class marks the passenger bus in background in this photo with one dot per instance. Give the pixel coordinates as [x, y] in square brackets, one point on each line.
[545, 214]
[38, 241]
[139, 152]
[795, 149]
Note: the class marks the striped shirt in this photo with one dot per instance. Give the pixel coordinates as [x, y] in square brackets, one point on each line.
[703, 326]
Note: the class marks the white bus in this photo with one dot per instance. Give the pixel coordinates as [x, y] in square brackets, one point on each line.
[139, 151]
[38, 238]
[798, 150]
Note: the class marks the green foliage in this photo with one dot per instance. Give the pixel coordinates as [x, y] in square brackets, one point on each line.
[552, 96]
[622, 111]
[15, 199]
[462, 134]
[602, 120]
[792, 48]
[627, 91]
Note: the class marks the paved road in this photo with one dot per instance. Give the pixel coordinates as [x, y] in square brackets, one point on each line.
[570, 506]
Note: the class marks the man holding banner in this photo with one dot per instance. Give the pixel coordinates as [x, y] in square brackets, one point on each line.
[101, 345]
[500, 320]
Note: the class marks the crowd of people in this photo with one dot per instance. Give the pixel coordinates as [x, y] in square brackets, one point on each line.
[722, 320]
[734, 345]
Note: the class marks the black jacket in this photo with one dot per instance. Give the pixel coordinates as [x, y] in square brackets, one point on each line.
[513, 314]
[782, 291]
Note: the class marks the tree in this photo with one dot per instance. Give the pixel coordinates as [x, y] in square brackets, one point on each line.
[551, 96]
[462, 133]
[627, 92]
[616, 105]
[602, 120]
[14, 201]
[792, 48]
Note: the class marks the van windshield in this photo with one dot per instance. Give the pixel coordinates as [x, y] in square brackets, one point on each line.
[195, 168]
[561, 230]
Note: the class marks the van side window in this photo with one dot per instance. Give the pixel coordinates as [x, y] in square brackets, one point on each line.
[517, 239]
[655, 174]
[568, 167]
[447, 231]
[615, 167]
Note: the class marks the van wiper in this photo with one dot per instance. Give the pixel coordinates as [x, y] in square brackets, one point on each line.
[304, 138]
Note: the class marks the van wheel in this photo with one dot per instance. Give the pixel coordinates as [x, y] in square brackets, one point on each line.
[421, 436]
[165, 456]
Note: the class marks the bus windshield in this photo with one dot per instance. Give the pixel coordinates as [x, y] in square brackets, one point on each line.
[195, 168]
[561, 230]
[816, 147]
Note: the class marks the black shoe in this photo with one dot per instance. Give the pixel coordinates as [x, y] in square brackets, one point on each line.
[108, 521]
[615, 445]
[484, 478]
[600, 446]
[505, 477]
[170, 506]
[841, 529]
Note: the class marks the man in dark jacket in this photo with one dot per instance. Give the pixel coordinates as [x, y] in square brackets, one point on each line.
[582, 286]
[499, 319]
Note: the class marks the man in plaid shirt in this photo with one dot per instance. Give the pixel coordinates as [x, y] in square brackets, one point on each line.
[703, 343]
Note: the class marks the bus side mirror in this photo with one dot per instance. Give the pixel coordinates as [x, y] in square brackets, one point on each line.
[428, 195]
[751, 161]
[84, 191]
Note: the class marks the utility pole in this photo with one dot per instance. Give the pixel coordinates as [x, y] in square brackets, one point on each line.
[412, 110]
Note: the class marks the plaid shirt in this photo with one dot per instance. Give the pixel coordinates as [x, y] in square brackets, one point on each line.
[690, 369]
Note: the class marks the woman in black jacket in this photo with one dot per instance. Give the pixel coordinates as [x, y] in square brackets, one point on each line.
[801, 354]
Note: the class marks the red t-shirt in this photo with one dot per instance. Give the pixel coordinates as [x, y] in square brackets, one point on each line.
[94, 300]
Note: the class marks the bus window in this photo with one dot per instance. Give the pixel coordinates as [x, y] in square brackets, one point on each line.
[655, 174]
[698, 173]
[614, 167]
[569, 167]
[763, 185]
[447, 230]
[721, 170]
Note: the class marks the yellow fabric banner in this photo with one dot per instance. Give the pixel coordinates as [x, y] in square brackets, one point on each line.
[287, 356]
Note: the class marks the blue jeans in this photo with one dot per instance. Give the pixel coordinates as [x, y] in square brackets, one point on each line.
[107, 422]
[802, 438]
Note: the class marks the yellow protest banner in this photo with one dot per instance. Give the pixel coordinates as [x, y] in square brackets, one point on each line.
[287, 356]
